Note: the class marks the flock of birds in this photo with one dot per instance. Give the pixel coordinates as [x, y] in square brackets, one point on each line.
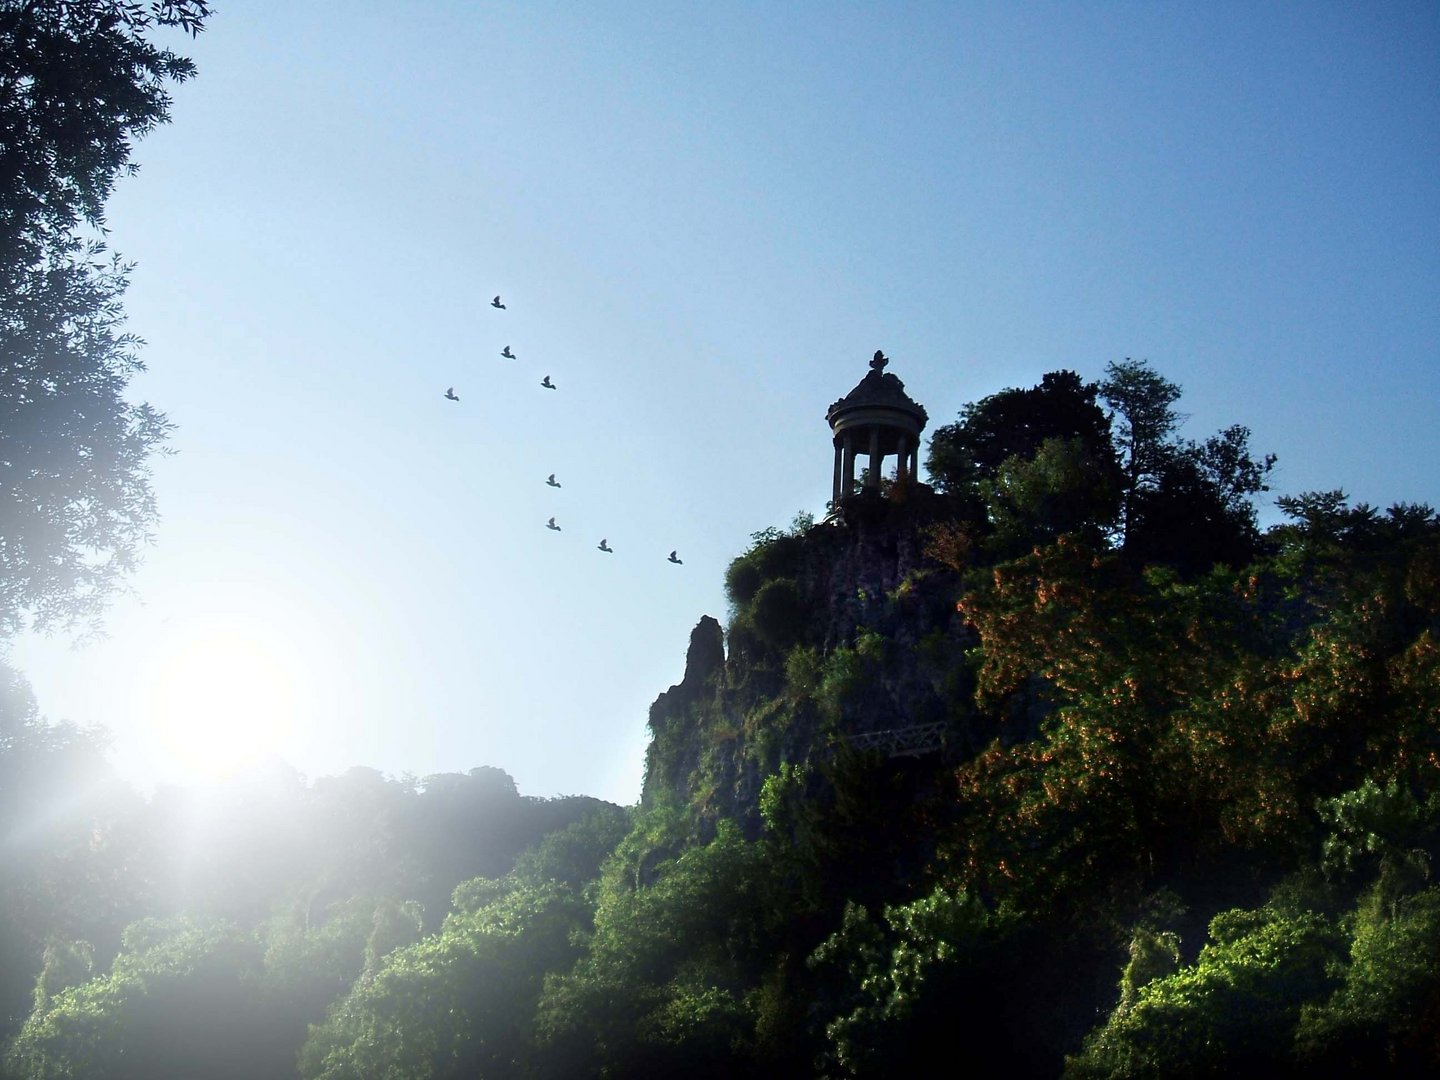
[550, 481]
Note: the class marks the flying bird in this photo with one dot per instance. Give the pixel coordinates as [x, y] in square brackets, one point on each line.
[505, 352]
[545, 382]
[450, 394]
[606, 547]
[675, 559]
[552, 482]
[497, 304]
[551, 525]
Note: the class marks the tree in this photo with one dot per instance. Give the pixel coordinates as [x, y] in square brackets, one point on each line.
[1235, 1010]
[1062, 489]
[1183, 504]
[79, 81]
[70, 866]
[1188, 520]
[181, 999]
[1018, 422]
[458, 1003]
[1145, 419]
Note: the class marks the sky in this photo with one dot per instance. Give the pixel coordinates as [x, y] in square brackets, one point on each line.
[702, 219]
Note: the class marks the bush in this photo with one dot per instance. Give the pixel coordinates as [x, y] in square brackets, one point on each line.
[803, 671]
[774, 554]
[742, 581]
[779, 613]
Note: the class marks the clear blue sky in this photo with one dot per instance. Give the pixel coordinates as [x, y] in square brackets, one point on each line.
[703, 218]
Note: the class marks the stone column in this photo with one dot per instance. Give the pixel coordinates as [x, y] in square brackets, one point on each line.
[849, 469]
[902, 461]
[875, 459]
[839, 462]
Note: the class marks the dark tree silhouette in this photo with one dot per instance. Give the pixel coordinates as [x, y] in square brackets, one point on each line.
[1016, 422]
[1184, 504]
[1144, 419]
[79, 81]
[1031, 463]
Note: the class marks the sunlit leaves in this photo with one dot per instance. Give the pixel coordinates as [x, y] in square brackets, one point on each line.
[1235, 1008]
[180, 999]
[460, 1002]
[670, 966]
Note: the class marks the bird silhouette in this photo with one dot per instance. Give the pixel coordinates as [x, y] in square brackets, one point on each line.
[552, 482]
[603, 546]
[450, 394]
[675, 559]
[551, 525]
[497, 304]
[545, 382]
[505, 352]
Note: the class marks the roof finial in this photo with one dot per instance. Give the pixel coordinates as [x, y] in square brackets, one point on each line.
[880, 360]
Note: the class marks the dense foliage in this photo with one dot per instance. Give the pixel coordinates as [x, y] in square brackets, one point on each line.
[79, 82]
[129, 928]
[1175, 812]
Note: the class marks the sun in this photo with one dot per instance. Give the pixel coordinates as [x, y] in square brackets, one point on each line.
[221, 694]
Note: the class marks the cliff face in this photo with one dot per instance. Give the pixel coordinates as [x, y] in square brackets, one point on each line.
[838, 630]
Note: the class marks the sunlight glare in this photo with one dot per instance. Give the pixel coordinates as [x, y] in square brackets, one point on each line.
[220, 695]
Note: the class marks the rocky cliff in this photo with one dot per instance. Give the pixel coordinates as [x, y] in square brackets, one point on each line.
[837, 630]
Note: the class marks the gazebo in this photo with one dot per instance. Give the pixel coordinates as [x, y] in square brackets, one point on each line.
[879, 419]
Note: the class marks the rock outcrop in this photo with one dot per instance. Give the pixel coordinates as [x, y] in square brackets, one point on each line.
[864, 639]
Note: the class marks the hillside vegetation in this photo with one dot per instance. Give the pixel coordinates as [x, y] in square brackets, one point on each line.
[1175, 812]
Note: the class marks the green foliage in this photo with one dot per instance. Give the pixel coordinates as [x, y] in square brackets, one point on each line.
[848, 673]
[395, 923]
[1326, 520]
[1062, 488]
[1379, 824]
[308, 965]
[665, 987]
[73, 870]
[1236, 1009]
[779, 613]
[1153, 954]
[79, 81]
[897, 975]
[64, 964]
[660, 832]
[181, 1000]
[781, 799]
[575, 854]
[1183, 504]
[1195, 515]
[1016, 423]
[61, 160]
[804, 670]
[773, 553]
[1383, 1018]
[1145, 417]
[458, 1003]
[742, 581]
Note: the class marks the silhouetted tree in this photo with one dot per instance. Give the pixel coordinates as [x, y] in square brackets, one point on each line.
[1062, 489]
[79, 81]
[1184, 504]
[1016, 423]
[1144, 421]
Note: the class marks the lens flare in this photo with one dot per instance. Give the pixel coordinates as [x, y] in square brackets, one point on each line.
[220, 695]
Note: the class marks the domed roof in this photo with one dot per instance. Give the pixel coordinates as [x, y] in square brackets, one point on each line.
[878, 389]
